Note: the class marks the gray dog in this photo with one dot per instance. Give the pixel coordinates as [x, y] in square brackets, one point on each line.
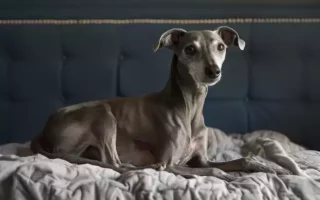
[163, 130]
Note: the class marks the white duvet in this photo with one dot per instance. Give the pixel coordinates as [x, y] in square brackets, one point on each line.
[34, 177]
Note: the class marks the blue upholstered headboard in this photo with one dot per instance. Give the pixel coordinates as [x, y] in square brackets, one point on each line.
[272, 84]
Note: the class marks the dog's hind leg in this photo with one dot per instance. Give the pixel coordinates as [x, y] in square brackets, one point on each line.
[104, 128]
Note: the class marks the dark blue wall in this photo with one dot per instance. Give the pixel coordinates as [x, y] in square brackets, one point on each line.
[121, 9]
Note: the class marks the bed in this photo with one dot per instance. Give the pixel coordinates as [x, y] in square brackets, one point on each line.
[267, 105]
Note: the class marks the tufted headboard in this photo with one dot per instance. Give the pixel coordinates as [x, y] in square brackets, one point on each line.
[272, 84]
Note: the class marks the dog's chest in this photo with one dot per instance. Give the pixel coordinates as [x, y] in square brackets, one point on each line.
[186, 154]
[189, 149]
[189, 144]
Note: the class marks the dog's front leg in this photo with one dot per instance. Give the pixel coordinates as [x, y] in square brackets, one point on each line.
[200, 159]
[188, 172]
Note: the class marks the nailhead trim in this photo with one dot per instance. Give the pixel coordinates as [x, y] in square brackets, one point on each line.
[163, 21]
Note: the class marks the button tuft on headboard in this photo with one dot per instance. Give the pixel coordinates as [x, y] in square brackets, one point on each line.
[64, 57]
[122, 57]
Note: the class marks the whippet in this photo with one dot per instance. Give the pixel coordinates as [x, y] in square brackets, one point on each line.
[164, 130]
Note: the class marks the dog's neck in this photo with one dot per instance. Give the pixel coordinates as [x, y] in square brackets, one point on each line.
[184, 91]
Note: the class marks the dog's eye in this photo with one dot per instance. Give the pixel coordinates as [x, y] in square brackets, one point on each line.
[220, 47]
[190, 50]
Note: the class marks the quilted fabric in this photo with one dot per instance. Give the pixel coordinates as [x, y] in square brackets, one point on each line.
[272, 84]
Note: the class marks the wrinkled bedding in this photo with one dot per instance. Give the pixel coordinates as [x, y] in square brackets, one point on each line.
[27, 176]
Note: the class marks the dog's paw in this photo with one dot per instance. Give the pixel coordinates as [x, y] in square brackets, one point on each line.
[160, 166]
[251, 165]
[282, 171]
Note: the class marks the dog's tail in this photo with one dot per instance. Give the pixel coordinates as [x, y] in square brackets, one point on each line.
[36, 148]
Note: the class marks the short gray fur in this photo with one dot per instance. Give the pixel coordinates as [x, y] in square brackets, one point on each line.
[163, 130]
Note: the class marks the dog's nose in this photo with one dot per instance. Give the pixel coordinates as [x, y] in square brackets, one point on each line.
[212, 72]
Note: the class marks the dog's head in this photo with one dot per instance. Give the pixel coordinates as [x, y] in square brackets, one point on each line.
[200, 53]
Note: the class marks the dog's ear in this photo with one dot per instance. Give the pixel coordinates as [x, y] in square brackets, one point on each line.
[230, 37]
[169, 38]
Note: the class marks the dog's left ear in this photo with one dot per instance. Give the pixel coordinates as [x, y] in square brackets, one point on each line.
[169, 39]
[230, 37]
